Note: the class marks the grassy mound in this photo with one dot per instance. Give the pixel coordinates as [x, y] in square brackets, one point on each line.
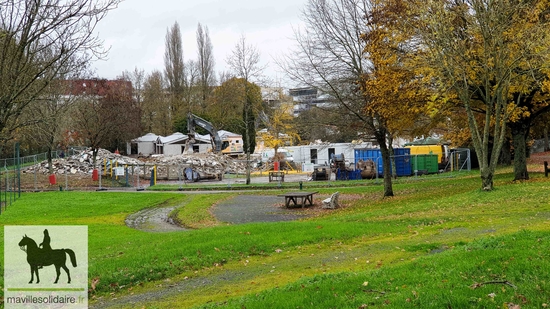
[439, 243]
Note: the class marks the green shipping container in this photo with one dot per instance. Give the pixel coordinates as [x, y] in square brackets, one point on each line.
[424, 163]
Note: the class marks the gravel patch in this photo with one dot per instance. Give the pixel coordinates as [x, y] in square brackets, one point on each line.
[155, 219]
[172, 289]
[238, 210]
[254, 208]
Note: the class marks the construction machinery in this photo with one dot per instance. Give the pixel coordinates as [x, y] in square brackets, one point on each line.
[320, 173]
[194, 121]
[337, 162]
[340, 167]
[231, 144]
[367, 168]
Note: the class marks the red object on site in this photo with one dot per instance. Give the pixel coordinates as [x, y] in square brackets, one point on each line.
[52, 179]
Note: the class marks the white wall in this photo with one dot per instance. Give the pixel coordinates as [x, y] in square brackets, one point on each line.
[146, 148]
[302, 154]
[172, 149]
[177, 149]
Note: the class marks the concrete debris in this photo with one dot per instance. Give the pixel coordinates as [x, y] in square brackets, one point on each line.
[208, 165]
[80, 163]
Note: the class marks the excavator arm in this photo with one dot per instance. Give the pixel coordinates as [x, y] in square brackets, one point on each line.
[194, 121]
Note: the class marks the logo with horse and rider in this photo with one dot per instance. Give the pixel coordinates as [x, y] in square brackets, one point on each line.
[45, 266]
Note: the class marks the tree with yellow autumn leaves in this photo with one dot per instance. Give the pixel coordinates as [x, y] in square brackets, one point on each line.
[483, 56]
[488, 53]
[395, 91]
[352, 51]
[280, 129]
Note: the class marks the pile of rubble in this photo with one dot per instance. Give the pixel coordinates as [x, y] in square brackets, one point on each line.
[82, 163]
[208, 163]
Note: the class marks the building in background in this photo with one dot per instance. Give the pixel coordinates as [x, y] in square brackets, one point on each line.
[308, 97]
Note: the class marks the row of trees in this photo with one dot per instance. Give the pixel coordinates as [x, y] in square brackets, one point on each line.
[392, 67]
[469, 68]
[165, 98]
[41, 43]
[45, 103]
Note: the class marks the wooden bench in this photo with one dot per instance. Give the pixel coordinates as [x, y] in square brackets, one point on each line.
[295, 199]
[276, 176]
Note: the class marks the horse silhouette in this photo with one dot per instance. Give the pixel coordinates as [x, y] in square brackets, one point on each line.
[37, 257]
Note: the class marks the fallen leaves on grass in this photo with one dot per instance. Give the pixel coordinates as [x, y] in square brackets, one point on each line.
[94, 283]
[374, 291]
[480, 284]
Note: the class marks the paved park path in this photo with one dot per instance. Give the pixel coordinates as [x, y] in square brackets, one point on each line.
[237, 210]
[254, 208]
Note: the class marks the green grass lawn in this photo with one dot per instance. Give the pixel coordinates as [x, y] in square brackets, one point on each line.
[439, 243]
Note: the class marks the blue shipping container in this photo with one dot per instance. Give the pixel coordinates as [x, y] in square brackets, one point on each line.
[402, 160]
[348, 175]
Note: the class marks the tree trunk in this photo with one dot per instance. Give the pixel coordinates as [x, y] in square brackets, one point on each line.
[50, 160]
[487, 179]
[506, 154]
[247, 168]
[546, 144]
[392, 159]
[250, 133]
[388, 187]
[519, 134]
[487, 157]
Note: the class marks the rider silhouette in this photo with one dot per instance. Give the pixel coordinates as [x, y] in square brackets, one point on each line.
[46, 248]
[46, 241]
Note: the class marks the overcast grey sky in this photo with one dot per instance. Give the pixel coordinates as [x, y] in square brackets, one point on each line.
[136, 30]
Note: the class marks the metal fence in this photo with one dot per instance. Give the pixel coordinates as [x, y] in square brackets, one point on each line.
[10, 172]
[16, 174]
[37, 158]
[10, 180]
[9, 188]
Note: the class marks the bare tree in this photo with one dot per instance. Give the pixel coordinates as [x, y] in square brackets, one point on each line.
[244, 61]
[106, 115]
[137, 78]
[205, 63]
[155, 109]
[329, 57]
[48, 118]
[40, 41]
[174, 70]
[193, 91]
[224, 76]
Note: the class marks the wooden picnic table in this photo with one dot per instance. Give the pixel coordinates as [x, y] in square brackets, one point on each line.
[292, 198]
